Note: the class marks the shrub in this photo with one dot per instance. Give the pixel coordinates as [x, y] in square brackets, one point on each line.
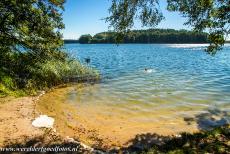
[30, 77]
[54, 72]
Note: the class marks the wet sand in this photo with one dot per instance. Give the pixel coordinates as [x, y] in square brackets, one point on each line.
[105, 131]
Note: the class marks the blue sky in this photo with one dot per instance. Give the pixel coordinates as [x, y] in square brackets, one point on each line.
[85, 17]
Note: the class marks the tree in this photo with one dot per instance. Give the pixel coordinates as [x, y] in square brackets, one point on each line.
[212, 16]
[29, 33]
[85, 39]
[148, 36]
[32, 25]
[31, 57]
[29, 36]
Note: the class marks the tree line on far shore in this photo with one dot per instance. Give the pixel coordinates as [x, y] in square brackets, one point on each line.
[147, 36]
[70, 41]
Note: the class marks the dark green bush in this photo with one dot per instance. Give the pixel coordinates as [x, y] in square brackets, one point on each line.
[24, 75]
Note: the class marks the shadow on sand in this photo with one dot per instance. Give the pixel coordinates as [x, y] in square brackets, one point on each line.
[214, 137]
[214, 141]
[208, 140]
[212, 118]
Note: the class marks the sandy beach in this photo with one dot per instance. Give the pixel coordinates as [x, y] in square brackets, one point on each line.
[16, 118]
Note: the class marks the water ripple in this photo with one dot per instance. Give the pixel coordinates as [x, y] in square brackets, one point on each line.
[178, 81]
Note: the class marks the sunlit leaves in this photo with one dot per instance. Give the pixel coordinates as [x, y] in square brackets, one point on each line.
[29, 34]
[212, 16]
[32, 25]
[124, 13]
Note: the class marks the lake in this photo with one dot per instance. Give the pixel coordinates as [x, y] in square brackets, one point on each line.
[157, 88]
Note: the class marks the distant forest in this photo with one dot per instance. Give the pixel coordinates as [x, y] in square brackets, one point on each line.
[147, 36]
[70, 41]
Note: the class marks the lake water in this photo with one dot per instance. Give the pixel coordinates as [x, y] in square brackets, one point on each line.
[183, 89]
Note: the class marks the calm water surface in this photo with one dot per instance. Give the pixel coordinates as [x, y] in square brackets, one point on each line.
[183, 86]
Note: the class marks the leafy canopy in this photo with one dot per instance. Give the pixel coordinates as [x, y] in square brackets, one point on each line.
[31, 57]
[29, 36]
[32, 25]
[212, 16]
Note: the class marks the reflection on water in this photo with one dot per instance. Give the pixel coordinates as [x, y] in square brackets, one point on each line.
[181, 82]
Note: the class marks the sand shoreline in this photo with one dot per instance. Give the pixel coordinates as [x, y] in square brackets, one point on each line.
[95, 130]
[18, 114]
[15, 121]
[16, 128]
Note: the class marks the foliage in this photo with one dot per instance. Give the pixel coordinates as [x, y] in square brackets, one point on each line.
[212, 16]
[8, 86]
[5, 86]
[45, 74]
[152, 36]
[84, 39]
[54, 72]
[123, 13]
[30, 46]
[32, 25]
[70, 41]
[212, 141]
